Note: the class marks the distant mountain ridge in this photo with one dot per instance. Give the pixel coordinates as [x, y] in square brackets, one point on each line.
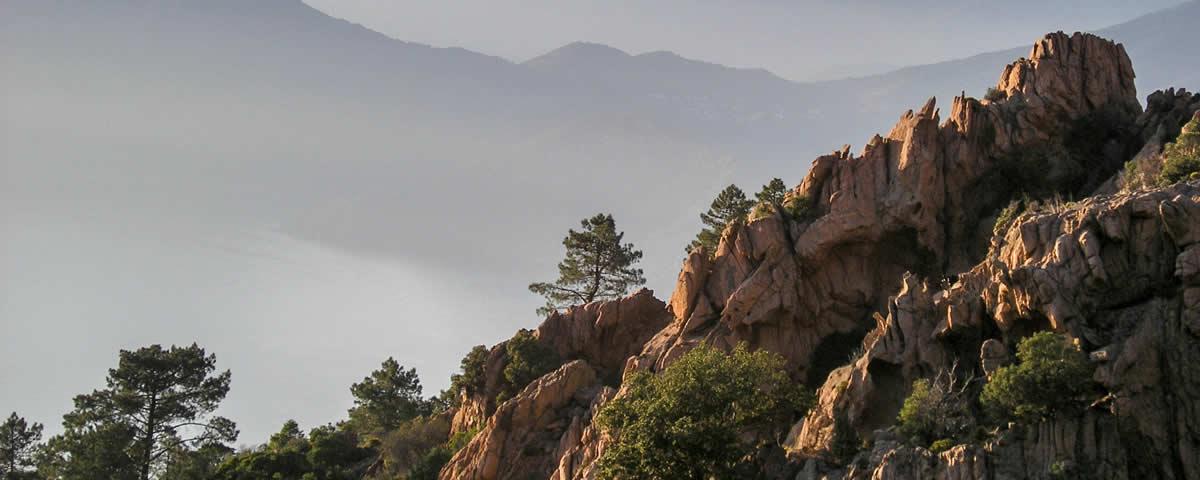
[273, 114]
[557, 114]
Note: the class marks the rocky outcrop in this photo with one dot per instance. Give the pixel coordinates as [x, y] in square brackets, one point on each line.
[583, 443]
[891, 253]
[604, 334]
[1086, 447]
[916, 200]
[1165, 115]
[1121, 274]
[524, 434]
[474, 407]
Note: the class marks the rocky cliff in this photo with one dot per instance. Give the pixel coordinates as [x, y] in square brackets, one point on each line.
[533, 430]
[886, 267]
[1119, 274]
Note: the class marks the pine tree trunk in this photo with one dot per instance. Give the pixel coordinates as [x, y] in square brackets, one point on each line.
[149, 440]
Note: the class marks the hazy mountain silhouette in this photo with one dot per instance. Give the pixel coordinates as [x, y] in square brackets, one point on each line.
[177, 119]
[338, 133]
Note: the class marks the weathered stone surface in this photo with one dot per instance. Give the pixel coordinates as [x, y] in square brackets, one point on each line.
[525, 433]
[605, 334]
[1118, 273]
[1085, 447]
[1166, 114]
[583, 444]
[473, 409]
[909, 202]
[992, 355]
[1055, 269]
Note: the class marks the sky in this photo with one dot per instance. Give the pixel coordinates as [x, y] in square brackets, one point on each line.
[796, 39]
[306, 206]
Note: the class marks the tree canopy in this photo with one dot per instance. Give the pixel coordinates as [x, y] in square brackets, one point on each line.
[1051, 375]
[18, 441]
[325, 453]
[1181, 159]
[938, 409]
[699, 418]
[156, 401]
[772, 193]
[730, 205]
[528, 360]
[470, 377]
[386, 398]
[597, 266]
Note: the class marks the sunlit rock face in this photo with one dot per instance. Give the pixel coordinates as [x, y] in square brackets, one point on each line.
[522, 436]
[917, 200]
[884, 267]
[604, 334]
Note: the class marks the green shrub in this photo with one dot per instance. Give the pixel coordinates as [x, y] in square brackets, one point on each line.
[937, 409]
[470, 378]
[1006, 216]
[1182, 158]
[761, 210]
[528, 360]
[461, 439]
[431, 463]
[1138, 175]
[800, 209]
[702, 417]
[1051, 376]
[916, 419]
[405, 447]
[995, 94]
[1069, 470]
[941, 445]
[327, 452]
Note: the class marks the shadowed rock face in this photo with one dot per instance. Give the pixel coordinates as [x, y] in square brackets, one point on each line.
[1166, 112]
[881, 232]
[1121, 274]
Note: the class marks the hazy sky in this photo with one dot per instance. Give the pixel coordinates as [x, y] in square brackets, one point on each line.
[306, 199]
[795, 39]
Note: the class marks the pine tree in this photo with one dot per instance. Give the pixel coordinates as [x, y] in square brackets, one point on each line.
[157, 400]
[470, 378]
[772, 193]
[389, 396]
[18, 440]
[730, 205]
[597, 267]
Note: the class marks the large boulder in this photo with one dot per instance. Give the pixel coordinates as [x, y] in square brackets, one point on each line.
[607, 333]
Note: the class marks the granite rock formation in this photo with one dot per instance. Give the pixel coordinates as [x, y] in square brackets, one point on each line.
[885, 267]
[1120, 274]
[917, 200]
